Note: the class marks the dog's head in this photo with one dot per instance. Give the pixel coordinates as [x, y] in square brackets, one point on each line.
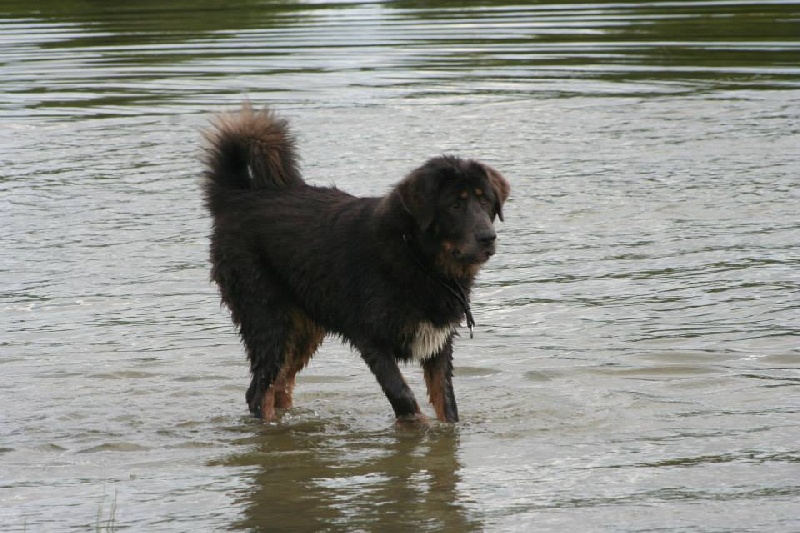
[453, 203]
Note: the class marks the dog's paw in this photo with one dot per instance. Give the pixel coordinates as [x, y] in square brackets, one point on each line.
[417, 421]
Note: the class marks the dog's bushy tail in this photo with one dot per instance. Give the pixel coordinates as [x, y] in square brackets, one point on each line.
[249, 149]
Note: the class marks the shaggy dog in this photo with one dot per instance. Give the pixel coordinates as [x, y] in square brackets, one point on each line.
[390, 275]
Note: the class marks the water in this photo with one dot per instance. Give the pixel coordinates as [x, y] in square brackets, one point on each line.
[636, 362]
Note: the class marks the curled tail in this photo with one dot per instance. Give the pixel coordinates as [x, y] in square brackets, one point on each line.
[249, 149]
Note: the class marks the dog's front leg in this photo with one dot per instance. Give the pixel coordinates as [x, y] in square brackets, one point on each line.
[386, 371]
[438, 371]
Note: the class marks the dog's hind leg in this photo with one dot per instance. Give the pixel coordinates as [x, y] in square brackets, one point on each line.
[283, 388]
[260, 309]
[304, 339]
[266, 351]
[438, 370]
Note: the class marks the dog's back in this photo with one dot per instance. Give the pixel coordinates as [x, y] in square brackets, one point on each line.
[269, 224]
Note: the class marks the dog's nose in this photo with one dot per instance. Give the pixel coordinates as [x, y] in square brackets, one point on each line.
[486, 237]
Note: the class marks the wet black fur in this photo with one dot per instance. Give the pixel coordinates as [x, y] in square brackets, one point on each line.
[295, 261]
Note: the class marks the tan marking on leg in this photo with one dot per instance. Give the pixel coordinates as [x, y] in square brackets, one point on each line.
[268, 405]
[434, 380]
[304, 338]
[284, 386]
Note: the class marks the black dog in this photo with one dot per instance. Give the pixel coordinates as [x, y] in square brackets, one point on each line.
[390, 275]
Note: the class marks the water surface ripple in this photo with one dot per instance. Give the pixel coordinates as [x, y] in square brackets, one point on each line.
[636, 362]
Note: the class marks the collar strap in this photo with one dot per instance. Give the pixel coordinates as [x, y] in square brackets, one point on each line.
[452, 286]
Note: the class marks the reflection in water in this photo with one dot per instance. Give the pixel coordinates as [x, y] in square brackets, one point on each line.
[308, 477]
[662, 46]
[146, 21]
[187, 55]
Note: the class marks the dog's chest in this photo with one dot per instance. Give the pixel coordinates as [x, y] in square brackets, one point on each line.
[428, 340]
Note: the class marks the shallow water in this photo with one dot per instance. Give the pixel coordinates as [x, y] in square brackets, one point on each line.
[636, 362]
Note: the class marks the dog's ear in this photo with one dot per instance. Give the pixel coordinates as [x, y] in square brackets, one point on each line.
[417, 195]
[500, 187]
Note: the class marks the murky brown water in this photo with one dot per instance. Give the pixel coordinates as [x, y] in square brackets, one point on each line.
[636, 363]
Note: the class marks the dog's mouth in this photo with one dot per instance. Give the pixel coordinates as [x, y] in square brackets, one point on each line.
[477, 257]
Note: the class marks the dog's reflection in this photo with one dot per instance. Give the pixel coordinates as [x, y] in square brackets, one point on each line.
[312, 477]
